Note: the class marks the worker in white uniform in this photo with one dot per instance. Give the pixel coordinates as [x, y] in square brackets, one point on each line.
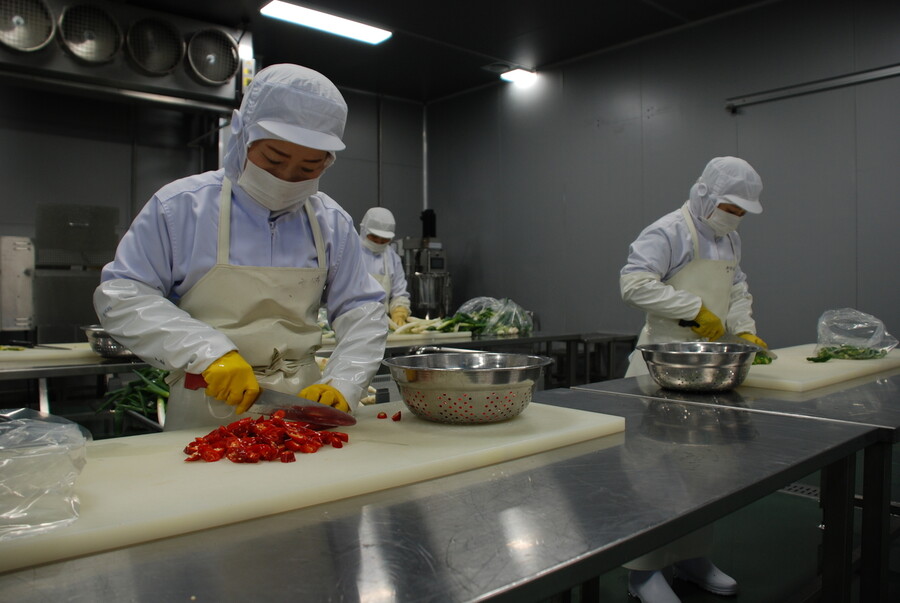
[222, 273]
[684, 271]
[376, 231]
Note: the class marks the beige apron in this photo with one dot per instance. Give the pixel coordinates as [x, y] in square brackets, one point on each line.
[385, 281]
[268, 312]
[710, 280]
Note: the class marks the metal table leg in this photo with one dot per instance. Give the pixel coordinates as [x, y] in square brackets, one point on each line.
[838, 485]
[43, 397]
[876, 522]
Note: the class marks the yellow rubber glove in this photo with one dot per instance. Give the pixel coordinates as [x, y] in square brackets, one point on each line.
[325, 394]
[231, 380]
[399, 315]
[710, 325]
[754, 340]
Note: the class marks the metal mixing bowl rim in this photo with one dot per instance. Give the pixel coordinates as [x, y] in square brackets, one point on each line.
[741, 348]
[537, 362]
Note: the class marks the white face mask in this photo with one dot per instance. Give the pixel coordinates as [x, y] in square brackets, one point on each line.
[723, 222]
[373, 246]
[272, 192]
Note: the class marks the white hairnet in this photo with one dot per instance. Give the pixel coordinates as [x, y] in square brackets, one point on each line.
[379, 222]
[291, 103]
[726, 180]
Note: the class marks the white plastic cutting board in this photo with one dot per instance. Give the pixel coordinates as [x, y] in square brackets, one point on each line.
[138, 488]
[791, 371]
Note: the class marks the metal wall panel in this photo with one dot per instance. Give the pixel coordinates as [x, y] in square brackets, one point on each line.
[828, 169]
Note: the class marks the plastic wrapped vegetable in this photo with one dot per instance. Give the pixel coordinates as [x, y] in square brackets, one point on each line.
[849, 334]
[510, 319]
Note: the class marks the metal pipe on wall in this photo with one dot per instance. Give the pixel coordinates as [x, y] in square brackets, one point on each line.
[378, 159]
[425, 157]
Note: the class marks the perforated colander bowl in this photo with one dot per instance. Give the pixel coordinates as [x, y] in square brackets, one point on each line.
[467, 387]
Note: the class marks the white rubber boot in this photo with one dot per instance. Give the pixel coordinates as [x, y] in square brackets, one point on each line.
[707, 576]
[650, 587]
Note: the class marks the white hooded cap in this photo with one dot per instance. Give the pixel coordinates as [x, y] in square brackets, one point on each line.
[296, 104]
[379, 222]
[730, 180]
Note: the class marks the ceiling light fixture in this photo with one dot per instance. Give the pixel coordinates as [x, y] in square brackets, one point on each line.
[520, 77]
[324, 22]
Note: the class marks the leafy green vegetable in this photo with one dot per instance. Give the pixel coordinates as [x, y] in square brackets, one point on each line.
[146, 395]
[762, 358]
[462, 321]
[846, 352]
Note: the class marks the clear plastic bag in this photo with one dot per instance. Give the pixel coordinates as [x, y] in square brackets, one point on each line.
[40, 458]
[847, 333]
[510, 319]
[478, 305]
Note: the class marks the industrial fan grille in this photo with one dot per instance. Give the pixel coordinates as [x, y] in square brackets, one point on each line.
[90, 33]
[25, 25]
[213, 56]
[155, 46]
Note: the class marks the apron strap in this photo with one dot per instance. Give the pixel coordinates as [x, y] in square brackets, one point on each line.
[695, 239]
[693, 229]
[225, 227]
[317, 235]
[224, 223]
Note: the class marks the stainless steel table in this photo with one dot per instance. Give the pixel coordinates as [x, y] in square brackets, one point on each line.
[521, 530]
[65, 368]
[873, 400]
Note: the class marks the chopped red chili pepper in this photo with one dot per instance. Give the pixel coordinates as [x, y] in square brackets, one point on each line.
[382, 415]
[395, 416]
[253, 440]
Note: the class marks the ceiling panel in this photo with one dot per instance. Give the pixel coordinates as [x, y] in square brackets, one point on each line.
[441, 49]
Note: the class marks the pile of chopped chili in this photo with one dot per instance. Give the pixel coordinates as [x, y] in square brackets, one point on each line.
[253, 440]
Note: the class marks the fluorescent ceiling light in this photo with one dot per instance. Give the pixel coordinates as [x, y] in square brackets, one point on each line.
[519, 77]
[324, 22]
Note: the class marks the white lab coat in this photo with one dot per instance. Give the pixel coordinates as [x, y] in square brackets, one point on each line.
[655, 258]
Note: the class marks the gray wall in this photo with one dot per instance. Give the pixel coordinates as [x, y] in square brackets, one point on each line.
[59, 148]
[382, 164]
[538, 192]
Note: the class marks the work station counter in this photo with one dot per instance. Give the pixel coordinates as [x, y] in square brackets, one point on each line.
[522, 529]
[872, 400]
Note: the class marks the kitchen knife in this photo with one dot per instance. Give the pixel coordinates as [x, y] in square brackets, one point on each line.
[294, 407]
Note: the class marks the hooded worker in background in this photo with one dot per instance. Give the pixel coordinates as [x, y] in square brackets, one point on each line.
[684, 269]
[376, 231]
[222, 273]
[684, 272]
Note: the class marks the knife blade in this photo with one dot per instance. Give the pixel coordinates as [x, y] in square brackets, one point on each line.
[295, 408]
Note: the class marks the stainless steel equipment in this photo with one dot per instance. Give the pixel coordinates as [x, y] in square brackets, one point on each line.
[118, 49]
[427, 277]
[699, 365]
[476, 387]
[16, 284]
[102, 343]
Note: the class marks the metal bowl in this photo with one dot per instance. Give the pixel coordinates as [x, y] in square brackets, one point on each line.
[467, 387]
[704, 366]
[102, 343]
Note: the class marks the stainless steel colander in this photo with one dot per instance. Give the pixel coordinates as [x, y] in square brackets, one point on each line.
[709, 366]
[467, 387]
